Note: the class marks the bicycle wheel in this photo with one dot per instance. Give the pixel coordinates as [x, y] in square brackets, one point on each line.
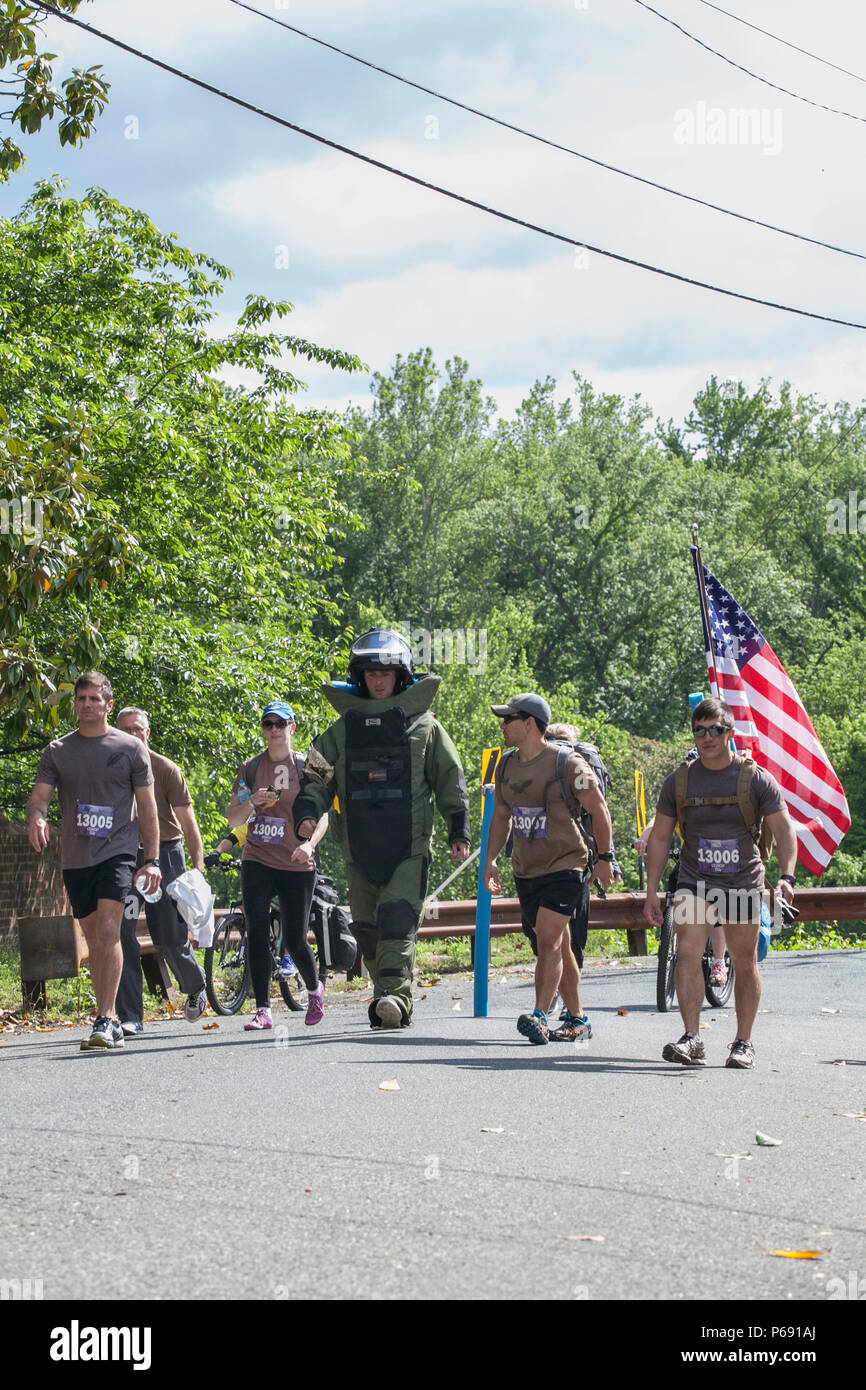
[717, 995]
[666, 989]
[226, 967]
[293, 989]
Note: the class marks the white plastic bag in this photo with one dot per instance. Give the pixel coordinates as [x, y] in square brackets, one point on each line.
[194, 898]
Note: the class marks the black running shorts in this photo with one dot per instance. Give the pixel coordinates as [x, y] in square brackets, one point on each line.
[110, 879]
[579, 922]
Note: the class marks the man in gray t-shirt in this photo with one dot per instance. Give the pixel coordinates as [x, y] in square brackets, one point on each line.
[721, 876]
[105, 784]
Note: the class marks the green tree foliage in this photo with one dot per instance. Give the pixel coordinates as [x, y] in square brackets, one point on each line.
[83, 95]
[186, 524]
[574, 517]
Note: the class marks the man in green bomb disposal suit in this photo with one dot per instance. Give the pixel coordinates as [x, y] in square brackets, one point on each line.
[385, 758]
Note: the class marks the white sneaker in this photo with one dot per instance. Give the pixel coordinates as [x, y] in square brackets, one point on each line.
[195, 1006]
[388, 1012]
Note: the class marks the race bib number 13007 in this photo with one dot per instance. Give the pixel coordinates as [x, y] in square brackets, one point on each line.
[530, 822]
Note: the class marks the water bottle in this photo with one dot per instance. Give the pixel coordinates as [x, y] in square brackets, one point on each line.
[148, 897]
[244, 792]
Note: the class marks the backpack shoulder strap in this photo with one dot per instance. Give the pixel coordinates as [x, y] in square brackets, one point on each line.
[252, 767]
[744, 800]
[681, 791]
[562, 777]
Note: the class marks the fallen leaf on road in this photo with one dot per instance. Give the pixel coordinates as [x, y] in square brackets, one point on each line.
[457, 996]
[852, 1114]
[831, 1011]
[488, 1130]
[799, 1254]
[584, 1237]
[704, 1025]
[766, 1141]
[392, 1085]
[622, 1012]
[206, 1027]
[118, 1194]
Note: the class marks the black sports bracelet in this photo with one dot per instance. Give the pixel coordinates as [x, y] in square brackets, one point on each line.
[789, 878]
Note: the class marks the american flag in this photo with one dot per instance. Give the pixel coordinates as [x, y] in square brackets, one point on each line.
[773, 727]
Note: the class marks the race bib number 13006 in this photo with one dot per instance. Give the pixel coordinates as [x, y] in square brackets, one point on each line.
[718, 856]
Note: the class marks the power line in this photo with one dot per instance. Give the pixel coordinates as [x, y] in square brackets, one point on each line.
[834, 110]
[796, 47]
[437, 188]
[543, 140]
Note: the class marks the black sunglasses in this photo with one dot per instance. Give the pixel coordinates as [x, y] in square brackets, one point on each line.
[274, 723]
[714, 730]
[507, 718]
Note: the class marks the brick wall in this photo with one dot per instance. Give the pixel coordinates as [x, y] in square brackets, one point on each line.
[30, 884]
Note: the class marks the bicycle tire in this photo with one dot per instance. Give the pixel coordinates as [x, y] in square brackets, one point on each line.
[718, 995]
[293, 989]
[227, 966]
[666, 990]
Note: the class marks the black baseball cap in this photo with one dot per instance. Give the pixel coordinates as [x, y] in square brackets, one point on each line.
[525, 704]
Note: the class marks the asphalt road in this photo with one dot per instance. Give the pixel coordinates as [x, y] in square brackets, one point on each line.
[212, 1164]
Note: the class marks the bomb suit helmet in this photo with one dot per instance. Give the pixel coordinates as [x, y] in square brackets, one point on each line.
[382, 649]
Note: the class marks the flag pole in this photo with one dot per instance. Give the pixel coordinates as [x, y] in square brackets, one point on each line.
[705, 612]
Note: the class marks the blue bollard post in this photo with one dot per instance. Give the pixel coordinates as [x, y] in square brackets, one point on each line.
[482, 913]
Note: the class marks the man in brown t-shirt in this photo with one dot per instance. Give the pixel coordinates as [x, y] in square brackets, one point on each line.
[105, 784]
[168, 931]
[721, 877]
[551, 855]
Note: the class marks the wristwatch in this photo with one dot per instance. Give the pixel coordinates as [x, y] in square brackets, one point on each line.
[789, 878]
[150, 861]
[608, 856]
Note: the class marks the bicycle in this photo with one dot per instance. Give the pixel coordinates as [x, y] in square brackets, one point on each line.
[666, 990]
[226, 961]
[717, 995]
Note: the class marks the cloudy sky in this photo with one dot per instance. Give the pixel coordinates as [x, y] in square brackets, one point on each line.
[380, 267]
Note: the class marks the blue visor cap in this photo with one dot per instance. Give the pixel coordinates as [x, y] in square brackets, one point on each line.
[280, 708]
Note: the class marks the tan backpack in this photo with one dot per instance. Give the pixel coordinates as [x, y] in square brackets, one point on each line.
[758, 829]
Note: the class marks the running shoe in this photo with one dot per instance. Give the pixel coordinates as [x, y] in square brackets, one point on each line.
[287, 968]
[742, 1054]
[719, 973]
[689, 1050]
[106, 1035]
[195, 1006]
[132, 1029]
[261, 1019]
[388, 1012]
[534, 1027]
[573, 1028]
[315, 1005]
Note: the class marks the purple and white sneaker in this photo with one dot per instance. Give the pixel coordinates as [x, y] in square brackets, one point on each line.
[315, 1005]
[261, 1019]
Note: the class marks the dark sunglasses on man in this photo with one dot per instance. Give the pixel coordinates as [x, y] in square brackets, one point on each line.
[714, 730]
[274, 723]
[507, 718]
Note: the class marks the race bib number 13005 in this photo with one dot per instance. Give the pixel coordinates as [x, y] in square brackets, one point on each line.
[94, 820]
